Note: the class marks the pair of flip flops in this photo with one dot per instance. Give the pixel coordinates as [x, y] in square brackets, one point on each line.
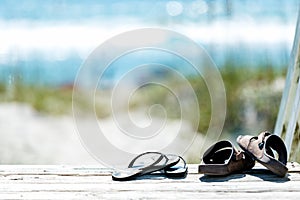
[223, 159]
[169, 165]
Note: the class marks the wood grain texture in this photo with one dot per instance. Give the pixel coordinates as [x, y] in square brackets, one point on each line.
[93, 182]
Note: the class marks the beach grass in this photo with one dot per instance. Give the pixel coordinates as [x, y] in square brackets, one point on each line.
[48, 100]
[244, 87]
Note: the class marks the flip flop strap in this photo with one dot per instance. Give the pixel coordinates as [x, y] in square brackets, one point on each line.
[152, 166]
[184, 162]
[182, 159]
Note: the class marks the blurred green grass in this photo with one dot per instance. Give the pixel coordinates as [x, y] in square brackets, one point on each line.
[48, 100]
[255, 87]
[243, 86]
[248, 90]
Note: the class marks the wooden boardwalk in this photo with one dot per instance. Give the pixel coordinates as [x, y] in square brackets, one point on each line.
[92, 182]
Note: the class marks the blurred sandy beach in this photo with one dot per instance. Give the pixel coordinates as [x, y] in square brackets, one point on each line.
[29, 137]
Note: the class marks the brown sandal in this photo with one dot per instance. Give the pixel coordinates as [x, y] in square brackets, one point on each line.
[223, 159]
[260, 148]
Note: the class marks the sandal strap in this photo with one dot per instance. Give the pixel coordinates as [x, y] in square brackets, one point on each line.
[153, 167]
[161, 156]
[262, 142]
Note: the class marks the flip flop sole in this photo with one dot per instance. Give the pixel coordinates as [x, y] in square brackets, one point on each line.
[126, 175]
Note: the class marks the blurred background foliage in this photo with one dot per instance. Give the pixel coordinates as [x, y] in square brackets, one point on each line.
[253, 88]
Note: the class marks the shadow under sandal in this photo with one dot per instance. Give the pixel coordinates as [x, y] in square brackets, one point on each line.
[261, 149]
[222, 159]
[145, 163]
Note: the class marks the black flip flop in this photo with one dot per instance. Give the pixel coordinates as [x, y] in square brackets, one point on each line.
[145, 163]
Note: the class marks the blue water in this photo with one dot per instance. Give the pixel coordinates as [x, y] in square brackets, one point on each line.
[34, 64]
[153, 10]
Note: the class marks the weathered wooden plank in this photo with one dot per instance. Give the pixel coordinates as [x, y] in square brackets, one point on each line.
[155, 186]
[155, 195]
[192, 178]
[91, 169]
[136, 189]
[55, 170]
[93, 182]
